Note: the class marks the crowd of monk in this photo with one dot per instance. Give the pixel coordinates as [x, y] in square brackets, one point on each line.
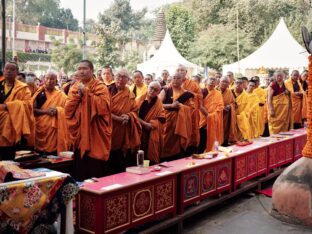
[104, 120]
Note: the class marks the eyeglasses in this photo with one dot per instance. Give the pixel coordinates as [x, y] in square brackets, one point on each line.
[156, 89]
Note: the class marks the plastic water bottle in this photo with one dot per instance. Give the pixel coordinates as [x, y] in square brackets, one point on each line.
[216, 146]
[305, 124]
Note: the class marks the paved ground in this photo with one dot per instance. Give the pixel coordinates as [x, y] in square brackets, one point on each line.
[246, 214]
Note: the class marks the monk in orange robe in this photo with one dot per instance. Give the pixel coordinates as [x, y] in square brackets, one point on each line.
[279, 105]
[16, 117]
[193, 87]
[30, 81]
[211, 117]
[298, 98]
[229, 113]
[51, 131]
[88, 114]
[127, 130]
[107, 76]
[152, 119]
[230, 76]
[138, 87]
[254, 109]
[179, 106]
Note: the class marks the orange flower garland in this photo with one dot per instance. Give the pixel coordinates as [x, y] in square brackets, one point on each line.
[307, 151]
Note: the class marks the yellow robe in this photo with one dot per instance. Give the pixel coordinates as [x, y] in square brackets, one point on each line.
[18, 119]
[138, 91]
[282, 120]
[254, 112]
[213, 102]
[299, 107]
[51, 132]
[261, 93]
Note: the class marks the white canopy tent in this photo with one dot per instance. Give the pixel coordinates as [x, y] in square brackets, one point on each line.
[166, 57]
[280, 51]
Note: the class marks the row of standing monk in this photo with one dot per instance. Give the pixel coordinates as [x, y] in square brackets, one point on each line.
[105, 121]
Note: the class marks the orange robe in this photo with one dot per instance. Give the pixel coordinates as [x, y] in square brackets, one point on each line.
[229, 118]
[178, 127]
[128, 136]
[299, 104]
[51, 132]
[193, 87]
[261, 93]
[18, 119]
[89, 120]
[155, 139]
[213, 102]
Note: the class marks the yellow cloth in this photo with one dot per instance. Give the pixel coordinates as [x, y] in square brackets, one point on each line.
[261, 93]
[243, 115]
[281, 122]
[139, 91]
[298, 103]
[213, 103]
[254, 112]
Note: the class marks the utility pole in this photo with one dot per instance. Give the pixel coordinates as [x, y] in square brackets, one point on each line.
[237, 38]
[3, 32]
[84, 30]
[13, 38]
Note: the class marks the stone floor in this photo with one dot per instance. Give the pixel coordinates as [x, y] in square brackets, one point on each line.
[246, 214]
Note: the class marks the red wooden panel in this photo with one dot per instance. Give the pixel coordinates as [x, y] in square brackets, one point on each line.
[164, 196]
[240, 168]
[142, 201]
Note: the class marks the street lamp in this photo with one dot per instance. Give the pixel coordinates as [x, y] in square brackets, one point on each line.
[3, 33]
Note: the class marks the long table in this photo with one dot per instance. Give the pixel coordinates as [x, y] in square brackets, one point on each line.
[118, 202]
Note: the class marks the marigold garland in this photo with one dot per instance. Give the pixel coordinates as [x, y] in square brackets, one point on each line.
[307, 151]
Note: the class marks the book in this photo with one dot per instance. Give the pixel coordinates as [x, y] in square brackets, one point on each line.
[138, 170]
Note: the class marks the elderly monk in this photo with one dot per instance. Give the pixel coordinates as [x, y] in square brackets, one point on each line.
[51, 131]
[138, 87]
[211, 117]
[298, 98]
[179, 106]
[254, 109]
[152, 119]
[88, 114]
[127, 130]
[16, 117]
[230, 76]
[30, 81]
[243, 111]
[229, 113]
[279, 105]
[261, 93]
[193, 87]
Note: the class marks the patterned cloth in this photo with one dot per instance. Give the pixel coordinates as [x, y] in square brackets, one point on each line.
[31, 207]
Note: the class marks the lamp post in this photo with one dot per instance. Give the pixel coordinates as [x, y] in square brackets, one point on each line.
[3, 32]
[84, 30]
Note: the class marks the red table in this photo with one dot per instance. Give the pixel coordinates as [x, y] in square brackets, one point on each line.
[206, 178]
[299, 142]
[125, 200]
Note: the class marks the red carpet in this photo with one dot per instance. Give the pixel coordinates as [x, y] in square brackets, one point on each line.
[267, 192]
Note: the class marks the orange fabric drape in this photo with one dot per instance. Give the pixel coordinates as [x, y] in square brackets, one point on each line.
[51, 132]
[18, 119]
[156, 138]
[89, 119]
[213, 102]
[229, 118]
[128, 136]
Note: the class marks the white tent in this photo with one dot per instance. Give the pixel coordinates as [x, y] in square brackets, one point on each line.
[166, 57]
[280, 51]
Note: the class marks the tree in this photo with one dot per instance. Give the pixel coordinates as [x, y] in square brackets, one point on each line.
[217, 46]
[117, 26]
[48, 13]
[181, 27]
[66, 56]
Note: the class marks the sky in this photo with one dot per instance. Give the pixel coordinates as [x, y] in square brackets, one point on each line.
[94, 7]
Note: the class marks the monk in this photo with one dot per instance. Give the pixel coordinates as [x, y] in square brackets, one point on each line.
[88, 114]
[108, 76]
[261, 94]
[193, 87]
[152, 119]
[230, 76]
[229, 113]
[164, 78]
[254, 109]
[179, 106]
[16, 117]
[138, 87]
[30, 81]
[127, 130]
[298, 98]
[148, 78]
[211, 117]
[242, 111]
[51, 131]
[279, 105]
